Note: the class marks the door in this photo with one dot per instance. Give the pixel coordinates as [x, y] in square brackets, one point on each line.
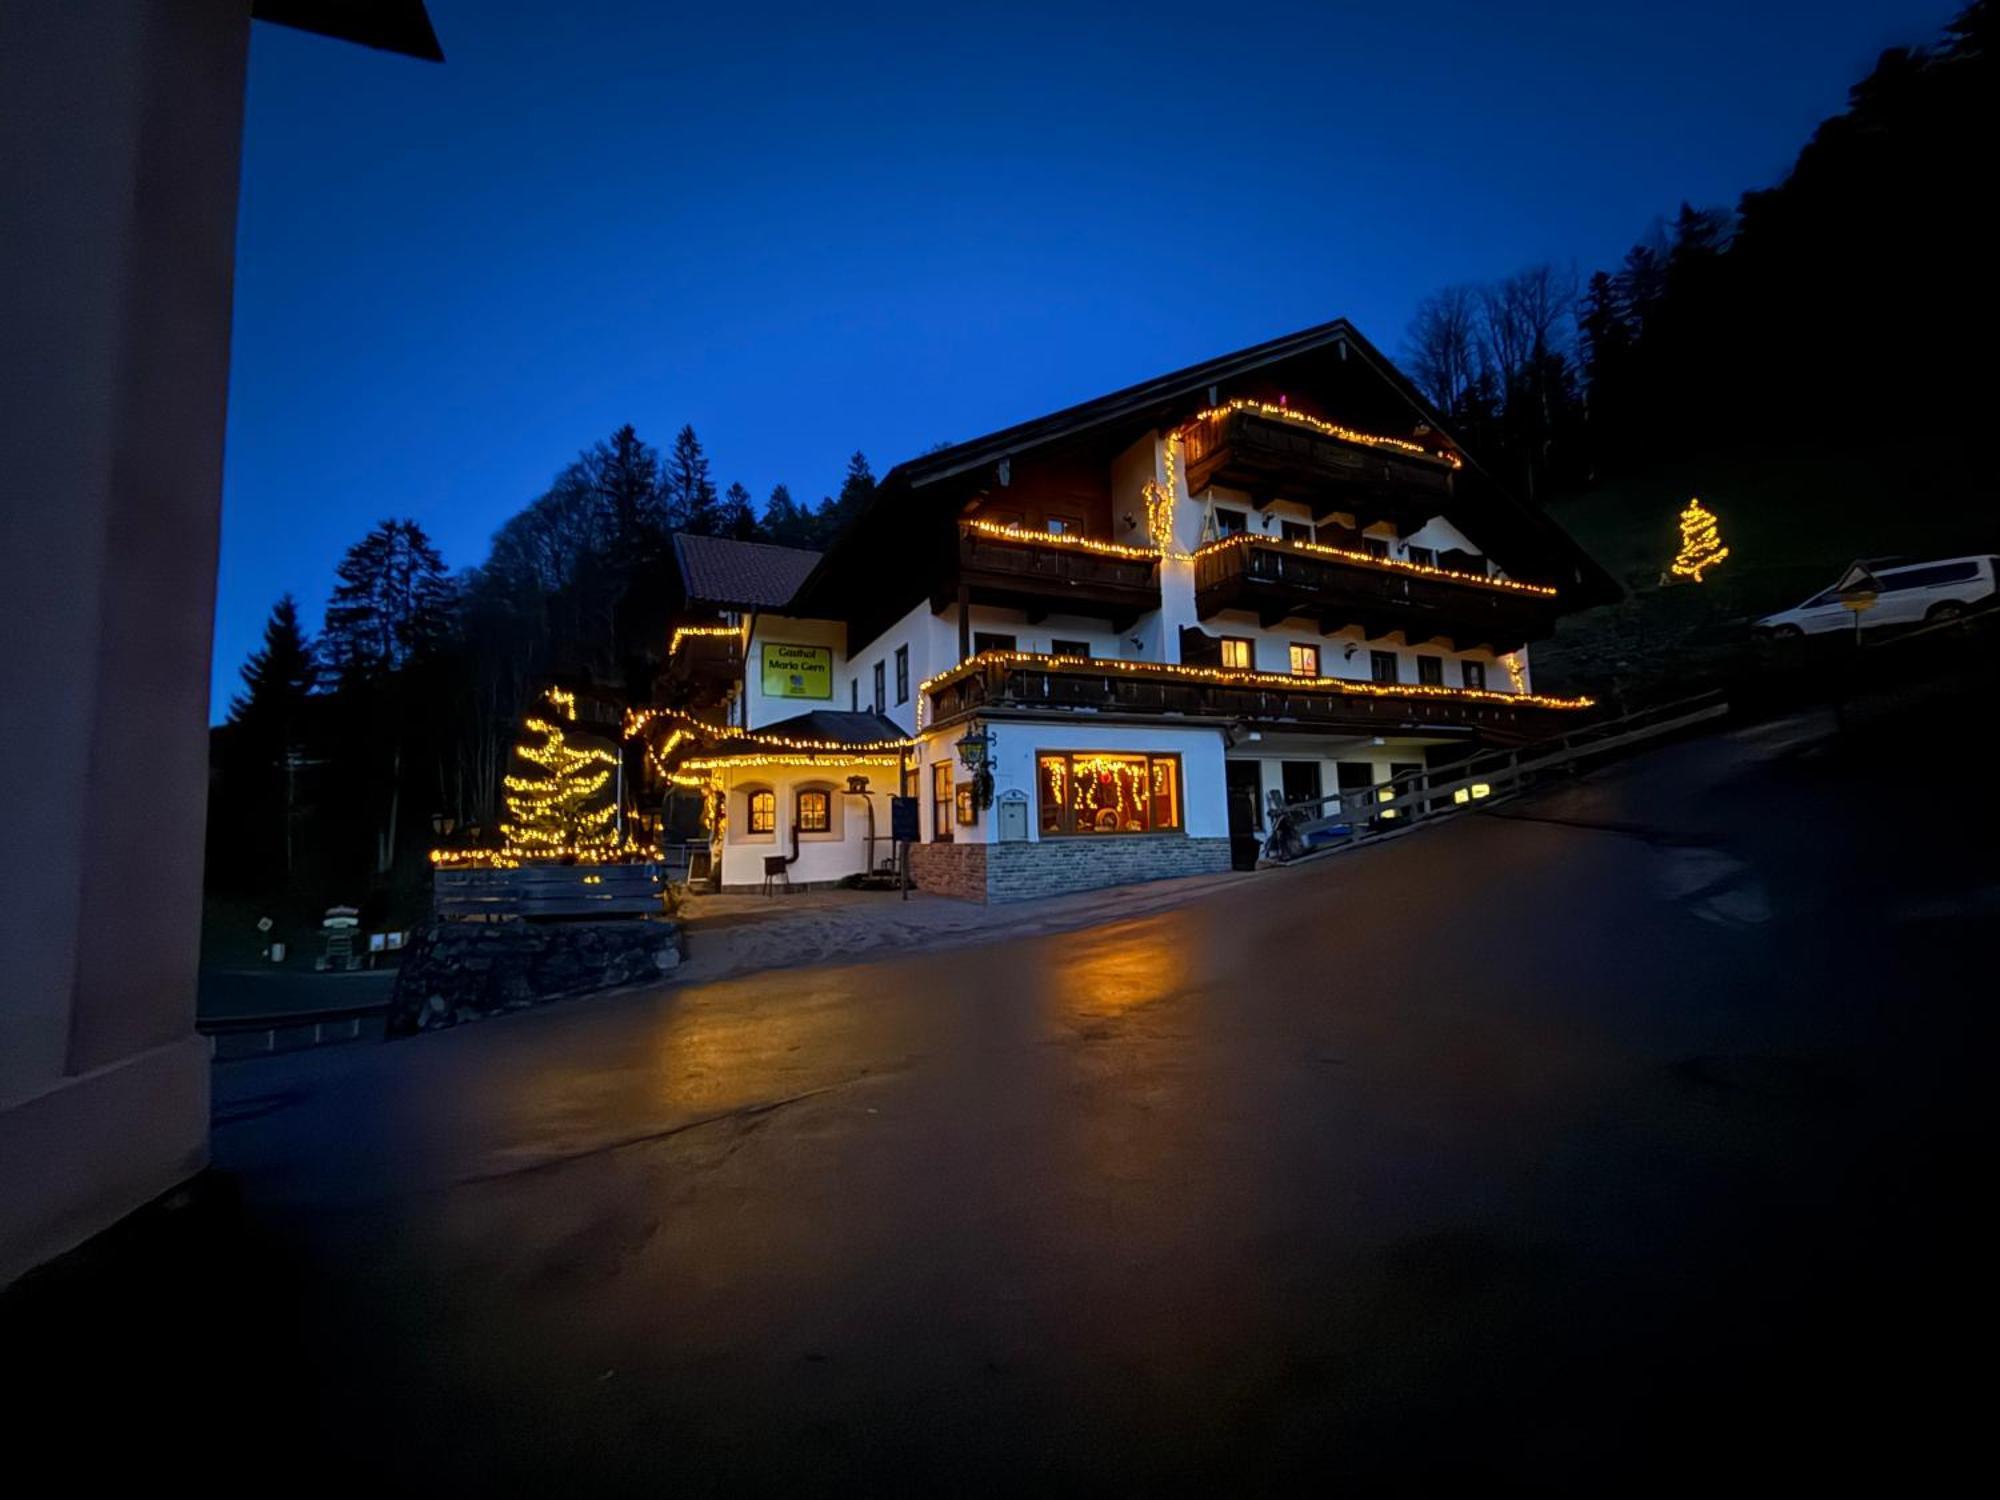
[1245, 787]
[1355, 778]
[1301, 783]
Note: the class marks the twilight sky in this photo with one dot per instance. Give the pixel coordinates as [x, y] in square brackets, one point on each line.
[809, 228]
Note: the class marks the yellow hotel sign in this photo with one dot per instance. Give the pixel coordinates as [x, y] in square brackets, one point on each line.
[797, 671]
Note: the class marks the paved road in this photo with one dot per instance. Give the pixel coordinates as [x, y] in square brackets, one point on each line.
[1623, 1140]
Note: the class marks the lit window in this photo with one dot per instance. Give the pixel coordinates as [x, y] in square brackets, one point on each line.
[941, 802]
[815, 812]
[763, 812]
[1239, 654]
[1102, 792]
[1305, 661]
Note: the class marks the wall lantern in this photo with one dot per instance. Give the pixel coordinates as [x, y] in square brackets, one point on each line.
[857, 786]
[973, 749]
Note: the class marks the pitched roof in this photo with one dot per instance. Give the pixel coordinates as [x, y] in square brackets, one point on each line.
[836, 725]
[728, 574]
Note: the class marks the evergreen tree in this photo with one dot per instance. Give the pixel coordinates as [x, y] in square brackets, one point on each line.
[560, 802]
[857, 488]
[738, 518]
[391, 606]
[279, 675]
[692, 504]
[786, 522]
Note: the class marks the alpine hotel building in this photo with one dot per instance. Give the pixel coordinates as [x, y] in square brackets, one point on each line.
[1096, 645]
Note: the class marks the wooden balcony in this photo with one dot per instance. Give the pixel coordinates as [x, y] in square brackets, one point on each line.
[1272, 457]
[1012, 683]
[1046, 575]
[1279, 580]
[704, 661]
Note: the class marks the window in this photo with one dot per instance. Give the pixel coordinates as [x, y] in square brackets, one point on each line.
[1427, 556]
[1383, 666]
[988, 640]
[815, 811]
[879, 698]
[1376, 546]
[902, 674]
[1305, 660]
[1239, 653]
[967, 810]
[1093, 792]
[854, 693]
[1065, 526]
[763, 812]
[1069, 648]
[1472, 673]
[1430, 671]
[941, 802]
[1296, 531]
[1931, 577]
[1231, 522]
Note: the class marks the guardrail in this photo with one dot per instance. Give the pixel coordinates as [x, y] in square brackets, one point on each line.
[1310, 826]
[312, 1027]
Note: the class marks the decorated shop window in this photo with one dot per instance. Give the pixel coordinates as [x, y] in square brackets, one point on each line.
[941, 802]
[1096, 792]
[815, 811]
[763, 812]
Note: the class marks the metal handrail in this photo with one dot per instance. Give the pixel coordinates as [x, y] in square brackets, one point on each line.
[1416, 795]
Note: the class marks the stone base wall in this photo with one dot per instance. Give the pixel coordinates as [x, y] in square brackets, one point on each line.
[950, 870]
[1023, 871]
[465, 971]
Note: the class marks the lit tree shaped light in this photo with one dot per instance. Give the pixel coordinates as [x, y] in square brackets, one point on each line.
[1701, 543]
[559, 806]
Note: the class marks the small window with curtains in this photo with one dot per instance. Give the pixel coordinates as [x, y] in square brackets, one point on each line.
[763, 812]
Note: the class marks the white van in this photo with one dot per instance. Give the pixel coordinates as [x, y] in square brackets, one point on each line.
[1908, 594]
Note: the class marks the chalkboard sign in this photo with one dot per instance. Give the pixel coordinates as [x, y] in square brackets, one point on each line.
[903, 820]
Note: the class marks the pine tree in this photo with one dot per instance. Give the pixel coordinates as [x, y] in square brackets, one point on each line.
[786, 522]
[738, 517]
[279, 675]
[691, 500]
[1701, 543]
[391, 605]
[560, 803]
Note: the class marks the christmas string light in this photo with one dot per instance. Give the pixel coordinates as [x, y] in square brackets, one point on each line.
[1701, 543]
[690, 632]
[1370, 560]
[1329, 429]
[1011, 533]
[1177, 672]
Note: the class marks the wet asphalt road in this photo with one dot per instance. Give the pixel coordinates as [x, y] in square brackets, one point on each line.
[1620, 1140]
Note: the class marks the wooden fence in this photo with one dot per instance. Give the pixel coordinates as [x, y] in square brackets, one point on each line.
[542, 892]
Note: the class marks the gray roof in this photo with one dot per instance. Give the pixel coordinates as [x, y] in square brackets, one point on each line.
[727, 574]
[832, 724]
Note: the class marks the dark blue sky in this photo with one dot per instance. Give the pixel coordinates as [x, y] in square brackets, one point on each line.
[815, 228]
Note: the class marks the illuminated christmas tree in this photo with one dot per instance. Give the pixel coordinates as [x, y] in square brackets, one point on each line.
[561, 805]
[1701, 543]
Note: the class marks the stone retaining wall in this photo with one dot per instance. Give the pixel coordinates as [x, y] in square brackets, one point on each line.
[464, 971]
[1022, 871]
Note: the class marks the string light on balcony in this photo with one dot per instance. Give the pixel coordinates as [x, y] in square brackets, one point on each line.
[752, 758]
[1178, 672]
[700, 632]
[1009, 533]
[1370, 560]
[1329, 429]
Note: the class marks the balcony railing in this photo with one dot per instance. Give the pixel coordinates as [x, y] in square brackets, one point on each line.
[708, 658]
[1273, 456]
[1054, 574]
[1278, 579]
[1021, 682]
